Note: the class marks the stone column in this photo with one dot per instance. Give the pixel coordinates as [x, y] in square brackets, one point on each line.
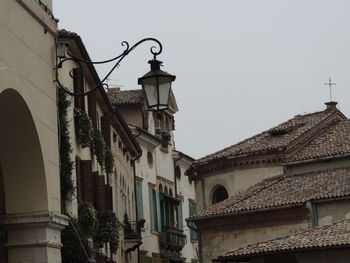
[34, 237]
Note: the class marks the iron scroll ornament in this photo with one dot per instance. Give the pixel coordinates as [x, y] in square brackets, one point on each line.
[118, 60]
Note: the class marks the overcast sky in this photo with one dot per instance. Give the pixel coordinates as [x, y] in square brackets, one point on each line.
[242, 66]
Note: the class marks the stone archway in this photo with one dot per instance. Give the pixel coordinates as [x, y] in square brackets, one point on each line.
[33, 231]
[21, 157]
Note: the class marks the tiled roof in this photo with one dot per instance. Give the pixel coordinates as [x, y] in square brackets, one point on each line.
[277, 138]
[283, 191]
[125, 97]
[325, 237]
[334, 141]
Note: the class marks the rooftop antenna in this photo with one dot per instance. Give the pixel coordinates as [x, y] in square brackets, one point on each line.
[330, 84]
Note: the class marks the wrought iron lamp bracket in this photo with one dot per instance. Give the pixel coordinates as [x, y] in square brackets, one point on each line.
[118, 59]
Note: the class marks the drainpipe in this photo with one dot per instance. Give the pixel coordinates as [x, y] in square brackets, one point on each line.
[175, 162]
[203, 194]
[135, 197]
[200, 258]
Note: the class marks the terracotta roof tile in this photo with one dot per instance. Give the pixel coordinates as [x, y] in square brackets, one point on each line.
[125, 97]
[277, 138]
[283, 191]
[334, 141]
[325, 237]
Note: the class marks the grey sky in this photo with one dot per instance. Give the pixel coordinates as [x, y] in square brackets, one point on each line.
[242, 66]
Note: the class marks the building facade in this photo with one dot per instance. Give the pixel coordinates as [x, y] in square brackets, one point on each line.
[298, 183]
[102, 204]
[165, 197]
[30, 204]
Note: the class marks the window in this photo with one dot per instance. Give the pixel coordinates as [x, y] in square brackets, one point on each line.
[150, 159]
[180, 223]
[220, 194]
[139, 204]
[178, 172]
[154, 209]
[193, 210]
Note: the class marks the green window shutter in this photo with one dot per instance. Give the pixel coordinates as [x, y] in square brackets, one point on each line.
[158, 218]
[180, 216]
[151, 208]
[193, 210]
[139, 204]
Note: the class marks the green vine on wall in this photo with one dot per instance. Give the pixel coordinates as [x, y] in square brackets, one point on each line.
[66, 164]
[72, 244]
[85, 130]
[109, 160]
[99, 148]
[87, 218]
[108, 230]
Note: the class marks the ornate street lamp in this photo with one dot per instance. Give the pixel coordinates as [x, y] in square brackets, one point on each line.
[156, 83]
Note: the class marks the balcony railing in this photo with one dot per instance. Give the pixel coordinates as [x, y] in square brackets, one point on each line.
[132, 230]
[172, 239]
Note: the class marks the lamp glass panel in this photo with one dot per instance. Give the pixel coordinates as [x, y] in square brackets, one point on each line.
[164, 90]
[149, 86]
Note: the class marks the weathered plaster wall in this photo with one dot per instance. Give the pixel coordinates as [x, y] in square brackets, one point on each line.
[132, 115]
[317, 166]
[186, 190]
[234, 181]
[331, 212]
[330, 256]
[147, 173]
[216, 243]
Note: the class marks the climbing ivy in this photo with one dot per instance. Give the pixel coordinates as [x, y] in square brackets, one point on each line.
[66, 164]
[108, 230]
[109, 160]
[99, 148]
[87, 218]
[85, 130]
[73, 239]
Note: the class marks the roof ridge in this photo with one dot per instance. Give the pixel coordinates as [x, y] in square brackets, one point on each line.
[257, 135]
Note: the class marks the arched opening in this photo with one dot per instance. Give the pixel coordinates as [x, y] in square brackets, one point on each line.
[219, 194]
[21, 159]
[23, 186]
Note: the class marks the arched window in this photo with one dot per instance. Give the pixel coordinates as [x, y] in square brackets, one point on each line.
[220, 194]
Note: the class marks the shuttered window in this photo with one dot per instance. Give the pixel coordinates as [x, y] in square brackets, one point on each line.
[152, 209]
[154, 199]
[193, 210]
[86, 181]
[139, 204]
[180, 223]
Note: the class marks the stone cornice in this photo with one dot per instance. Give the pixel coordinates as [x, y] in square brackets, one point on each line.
[44, 17]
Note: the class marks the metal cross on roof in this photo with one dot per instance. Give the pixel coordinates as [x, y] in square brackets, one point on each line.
[330, 84]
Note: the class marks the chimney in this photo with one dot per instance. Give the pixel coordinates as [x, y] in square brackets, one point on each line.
[331, 105]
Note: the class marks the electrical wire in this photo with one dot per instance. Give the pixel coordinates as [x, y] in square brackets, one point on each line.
[81, 243]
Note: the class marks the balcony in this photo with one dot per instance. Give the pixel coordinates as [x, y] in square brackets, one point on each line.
[131, 230]
[132, 235]
[172, 239]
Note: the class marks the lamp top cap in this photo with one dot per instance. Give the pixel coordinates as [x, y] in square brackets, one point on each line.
[155, 71]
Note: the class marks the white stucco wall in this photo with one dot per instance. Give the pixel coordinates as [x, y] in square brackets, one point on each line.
[26, 65]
